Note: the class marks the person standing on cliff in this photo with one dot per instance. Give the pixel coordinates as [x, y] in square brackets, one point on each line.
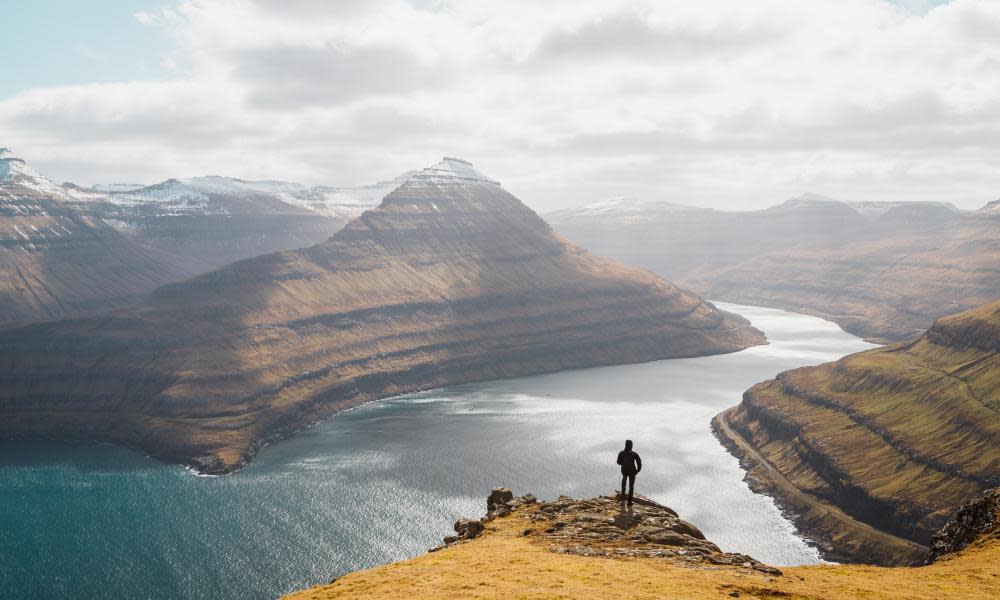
[631, 464]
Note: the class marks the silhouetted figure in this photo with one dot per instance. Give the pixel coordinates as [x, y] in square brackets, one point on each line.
[631, 464]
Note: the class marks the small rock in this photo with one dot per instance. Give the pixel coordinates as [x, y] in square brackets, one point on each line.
[468, 529]
[682, 526]
[498, 503]
[668, 538]
[767, 569]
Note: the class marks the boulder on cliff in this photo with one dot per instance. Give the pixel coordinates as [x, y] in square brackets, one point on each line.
[974, 520]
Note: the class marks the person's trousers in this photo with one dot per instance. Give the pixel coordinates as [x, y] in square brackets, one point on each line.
[631, 486]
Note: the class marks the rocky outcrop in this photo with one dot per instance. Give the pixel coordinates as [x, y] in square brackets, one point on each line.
[498, 502]
[599, 548]
[895, 437]
[452, 279]
[975, 521]
[605, 527]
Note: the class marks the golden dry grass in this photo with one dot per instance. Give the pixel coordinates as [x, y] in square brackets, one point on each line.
[503, 564]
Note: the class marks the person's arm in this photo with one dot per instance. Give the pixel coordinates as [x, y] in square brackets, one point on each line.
[619, 458]
[638, 462]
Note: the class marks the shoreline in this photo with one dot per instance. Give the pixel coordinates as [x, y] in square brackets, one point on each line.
[280, 434]
[838, 536]
[227, 460]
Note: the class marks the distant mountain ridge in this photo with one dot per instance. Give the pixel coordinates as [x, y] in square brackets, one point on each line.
[451, 279]
[991, 208]
[194, 194]
[142, 237]
[56, 261]
[624, 208]
[883, 271]
[633, 205]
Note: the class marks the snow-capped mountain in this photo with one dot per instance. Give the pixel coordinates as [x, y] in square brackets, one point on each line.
[226, 195]
[808, 200]
[450, 279]
[622, 208]
[67, 250]
[449, 170]
[16, 172]
[57, 260]
[877, 209]
[344, 201]
[116, 187]
[991, 209]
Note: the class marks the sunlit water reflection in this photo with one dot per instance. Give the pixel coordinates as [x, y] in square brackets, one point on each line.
[386, 480]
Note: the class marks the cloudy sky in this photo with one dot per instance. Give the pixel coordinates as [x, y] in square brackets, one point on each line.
[732, 104]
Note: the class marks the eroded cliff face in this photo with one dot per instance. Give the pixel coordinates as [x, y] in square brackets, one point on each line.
[450, 280]
[896, 437]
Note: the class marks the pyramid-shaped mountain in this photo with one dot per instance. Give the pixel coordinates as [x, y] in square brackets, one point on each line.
[451, 279]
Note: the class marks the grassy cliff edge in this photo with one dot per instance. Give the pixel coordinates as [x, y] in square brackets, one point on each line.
[893, 438]
[543, 550]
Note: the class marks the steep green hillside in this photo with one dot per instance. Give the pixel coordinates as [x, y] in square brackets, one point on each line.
[897, 437]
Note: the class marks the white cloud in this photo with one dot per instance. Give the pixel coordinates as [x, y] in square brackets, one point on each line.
[144, 17]
[725, 102]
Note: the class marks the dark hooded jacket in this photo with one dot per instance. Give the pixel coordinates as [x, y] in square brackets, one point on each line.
[629, 460]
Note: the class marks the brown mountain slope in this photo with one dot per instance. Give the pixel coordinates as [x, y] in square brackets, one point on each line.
[56, 261]
[897, 437]
[208, 222]
[891, 287]
[883, 271]
[451, 279]
[536, 551]
[66, 251]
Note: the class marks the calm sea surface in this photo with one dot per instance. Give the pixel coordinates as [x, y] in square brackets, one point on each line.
[386, 480]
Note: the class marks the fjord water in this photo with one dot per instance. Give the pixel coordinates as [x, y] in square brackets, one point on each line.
[386, 480]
